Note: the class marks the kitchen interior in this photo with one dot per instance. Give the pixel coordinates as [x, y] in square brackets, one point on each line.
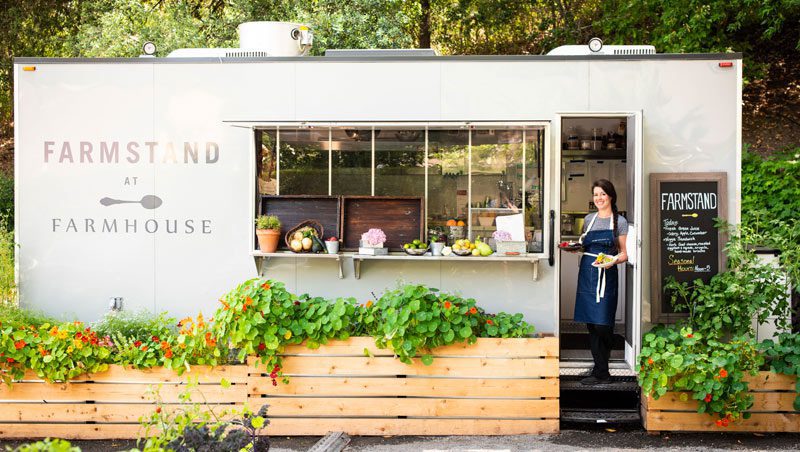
[591, 148]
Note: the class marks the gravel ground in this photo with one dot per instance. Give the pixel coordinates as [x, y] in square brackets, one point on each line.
[570, 439]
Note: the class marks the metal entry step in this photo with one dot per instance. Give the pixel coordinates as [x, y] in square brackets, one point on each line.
[601, 416]
[616, 384]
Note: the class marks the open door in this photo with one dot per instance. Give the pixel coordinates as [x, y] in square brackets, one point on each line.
[633, 269]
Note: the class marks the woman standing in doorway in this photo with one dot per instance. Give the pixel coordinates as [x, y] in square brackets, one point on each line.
[604, 233]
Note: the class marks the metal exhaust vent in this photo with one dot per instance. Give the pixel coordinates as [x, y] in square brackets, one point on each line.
[634, 50]
[246, 54]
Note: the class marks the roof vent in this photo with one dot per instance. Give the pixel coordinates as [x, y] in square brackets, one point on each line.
[258, 40]
[596, 47]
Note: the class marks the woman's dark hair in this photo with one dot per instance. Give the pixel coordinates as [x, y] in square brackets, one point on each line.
[608, 187]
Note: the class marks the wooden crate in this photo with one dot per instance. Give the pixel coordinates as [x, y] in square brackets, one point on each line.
[494, 387]
[108, 405]
[293, 209]
[400, 218]
[772, 409]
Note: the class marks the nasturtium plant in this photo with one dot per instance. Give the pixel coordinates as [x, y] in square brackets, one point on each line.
[414, 319]
[707, 370]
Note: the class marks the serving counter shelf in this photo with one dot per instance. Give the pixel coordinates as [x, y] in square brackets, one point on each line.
[263, 258]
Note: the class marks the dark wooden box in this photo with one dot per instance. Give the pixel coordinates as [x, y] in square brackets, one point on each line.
[400, 218]
[292, 209]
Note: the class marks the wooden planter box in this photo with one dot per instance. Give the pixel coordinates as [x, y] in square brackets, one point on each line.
[109, 404]
[772, 410]
[493, 387]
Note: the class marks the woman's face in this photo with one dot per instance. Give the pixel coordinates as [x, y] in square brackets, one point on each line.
[600, 198]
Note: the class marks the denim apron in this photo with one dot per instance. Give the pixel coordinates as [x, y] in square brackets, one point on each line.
[596, 300]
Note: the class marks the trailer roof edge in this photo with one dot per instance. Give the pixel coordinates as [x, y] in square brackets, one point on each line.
[521, 58]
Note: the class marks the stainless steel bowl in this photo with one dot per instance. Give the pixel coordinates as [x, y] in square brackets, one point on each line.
[415, 251]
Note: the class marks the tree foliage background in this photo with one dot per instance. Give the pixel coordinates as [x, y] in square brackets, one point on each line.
[768, 31]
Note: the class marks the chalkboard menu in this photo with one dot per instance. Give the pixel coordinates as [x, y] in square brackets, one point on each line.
[684, 242]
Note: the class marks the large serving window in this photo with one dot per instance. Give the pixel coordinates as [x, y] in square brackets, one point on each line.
[467, 174]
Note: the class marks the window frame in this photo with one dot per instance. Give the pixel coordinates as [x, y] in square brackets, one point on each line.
[545, 126]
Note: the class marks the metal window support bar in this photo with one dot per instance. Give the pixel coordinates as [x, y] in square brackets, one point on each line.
[262, 259]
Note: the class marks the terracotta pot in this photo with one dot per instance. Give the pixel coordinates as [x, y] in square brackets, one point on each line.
[268, 239]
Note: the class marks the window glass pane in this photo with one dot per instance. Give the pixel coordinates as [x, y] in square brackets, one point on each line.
[304, 161]
[351, 172]
[496, 177]
[447, 181]
[267, 168]
[534, 188]
[399, 162]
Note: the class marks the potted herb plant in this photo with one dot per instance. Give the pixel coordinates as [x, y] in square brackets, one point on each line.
[437, 239]
[268, 231]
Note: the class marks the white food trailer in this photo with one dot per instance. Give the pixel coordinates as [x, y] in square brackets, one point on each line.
[137, 180]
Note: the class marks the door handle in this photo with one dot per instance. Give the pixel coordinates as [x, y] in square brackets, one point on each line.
[552, 258]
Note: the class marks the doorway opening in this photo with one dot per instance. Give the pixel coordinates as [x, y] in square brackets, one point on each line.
[592, 147]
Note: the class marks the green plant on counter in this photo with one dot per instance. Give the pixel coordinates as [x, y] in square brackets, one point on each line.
[702, 368]
[195, 426]
[268, 222]
[415, 319]
[783, 357]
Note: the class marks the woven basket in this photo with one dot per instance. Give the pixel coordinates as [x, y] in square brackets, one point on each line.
[313, 223]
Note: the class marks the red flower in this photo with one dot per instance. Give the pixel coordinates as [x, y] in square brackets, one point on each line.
[296, 303]
[19, 344]
[10, 360]
[690, 335]
[273, 375]
[155, 338]
[708, 398]
[262, 346]
[168, 354]
[447, 305]
[489, 321]
[274, 383]
[725, 422]
[158, 409]
[265, 286]
[723, 373]
[472, 310]
[137, 344]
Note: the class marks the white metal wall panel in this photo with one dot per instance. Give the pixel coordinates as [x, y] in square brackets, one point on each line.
[368, 91]
[477, 90]
[69, 271]
[689, 122]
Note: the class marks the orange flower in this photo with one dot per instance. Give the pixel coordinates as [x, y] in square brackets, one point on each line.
[265, 286]
[19, 344]
[168, 354]
[164, 344]
[489, 321]
[248, 301]
[369, 303]
[649, 360]
[447, 305]
[144, 348]
[723, 373]
[472, 310]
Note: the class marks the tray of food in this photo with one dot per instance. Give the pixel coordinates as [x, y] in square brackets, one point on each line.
[571, 245]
